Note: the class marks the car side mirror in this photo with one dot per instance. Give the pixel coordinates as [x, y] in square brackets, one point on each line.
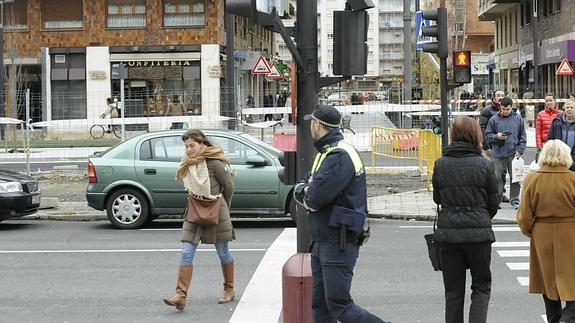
[257, 161]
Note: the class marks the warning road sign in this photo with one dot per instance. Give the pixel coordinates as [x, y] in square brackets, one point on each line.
[564, 69]
[261, 66]
[274, 72]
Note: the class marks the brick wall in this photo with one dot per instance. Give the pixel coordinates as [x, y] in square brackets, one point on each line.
[95, 33]
[556, 24]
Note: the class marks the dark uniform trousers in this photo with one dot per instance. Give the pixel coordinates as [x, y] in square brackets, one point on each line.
[455, 259]
[332, 271]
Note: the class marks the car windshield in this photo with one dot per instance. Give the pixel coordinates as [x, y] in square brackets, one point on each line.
[272, 150]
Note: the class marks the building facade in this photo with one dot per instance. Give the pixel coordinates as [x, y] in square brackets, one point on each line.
[513, 59]
[71, 52]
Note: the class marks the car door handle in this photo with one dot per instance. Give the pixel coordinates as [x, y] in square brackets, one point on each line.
[149, 171]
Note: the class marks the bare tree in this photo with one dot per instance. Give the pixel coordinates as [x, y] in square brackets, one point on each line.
[14, 77]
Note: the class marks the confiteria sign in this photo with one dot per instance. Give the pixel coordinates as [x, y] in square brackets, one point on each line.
[158, 63]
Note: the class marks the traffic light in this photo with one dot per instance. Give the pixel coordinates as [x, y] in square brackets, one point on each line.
[350, 42]
[461, 66]
[288, 174]
[439, 31]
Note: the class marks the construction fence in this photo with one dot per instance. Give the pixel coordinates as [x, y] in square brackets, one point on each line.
[399, 143]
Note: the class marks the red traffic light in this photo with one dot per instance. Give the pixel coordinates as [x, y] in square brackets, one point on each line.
[462, 58]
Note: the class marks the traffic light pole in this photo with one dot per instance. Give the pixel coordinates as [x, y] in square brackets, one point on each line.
[307, 89]
[444, 103]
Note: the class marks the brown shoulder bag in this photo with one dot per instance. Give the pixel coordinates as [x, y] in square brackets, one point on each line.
[203, 212]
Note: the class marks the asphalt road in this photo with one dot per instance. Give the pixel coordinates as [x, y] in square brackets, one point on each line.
[56, 271]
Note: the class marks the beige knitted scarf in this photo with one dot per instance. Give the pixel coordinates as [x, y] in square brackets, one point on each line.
[194, 171]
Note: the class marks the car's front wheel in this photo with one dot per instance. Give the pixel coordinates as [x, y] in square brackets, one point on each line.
[127, 209]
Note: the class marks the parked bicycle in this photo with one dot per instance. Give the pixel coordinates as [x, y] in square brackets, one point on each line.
[97, 131]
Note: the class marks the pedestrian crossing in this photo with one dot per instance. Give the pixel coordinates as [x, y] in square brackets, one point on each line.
[512, 247]
[515, 254]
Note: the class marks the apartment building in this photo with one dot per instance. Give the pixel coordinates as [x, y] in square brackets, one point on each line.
[70, 51]
[514, 43]
[391, 60]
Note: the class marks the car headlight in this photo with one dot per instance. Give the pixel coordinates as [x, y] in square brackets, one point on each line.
[10, 187]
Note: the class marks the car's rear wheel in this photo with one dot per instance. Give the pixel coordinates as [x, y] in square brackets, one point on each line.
[128, 209]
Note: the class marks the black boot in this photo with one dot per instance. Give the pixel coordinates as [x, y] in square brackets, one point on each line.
[568, 315]
[552, 309]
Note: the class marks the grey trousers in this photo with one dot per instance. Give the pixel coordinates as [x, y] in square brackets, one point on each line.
[502, 164]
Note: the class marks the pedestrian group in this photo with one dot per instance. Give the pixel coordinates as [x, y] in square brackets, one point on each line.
[468, 184]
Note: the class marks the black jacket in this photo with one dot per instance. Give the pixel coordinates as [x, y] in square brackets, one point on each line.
[486, 114]
[465, 186]
[563, 130]
[334, 183]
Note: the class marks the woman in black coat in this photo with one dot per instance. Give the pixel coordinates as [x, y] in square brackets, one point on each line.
[465, 186]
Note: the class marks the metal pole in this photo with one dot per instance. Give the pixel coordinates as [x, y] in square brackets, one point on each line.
[230, 71]
[27, 132]
[407, 52]
[536, 90]
[122, 111]
[307, 89]
[444, 103]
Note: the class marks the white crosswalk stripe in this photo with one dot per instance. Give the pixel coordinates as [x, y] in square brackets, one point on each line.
[524, 281]
[513, 253]
[512, 244]
[518, 265]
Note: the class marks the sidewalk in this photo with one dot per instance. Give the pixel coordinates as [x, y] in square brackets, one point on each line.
[50, 154]
[419, 205]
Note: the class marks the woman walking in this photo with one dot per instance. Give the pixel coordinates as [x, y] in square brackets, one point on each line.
[465, 186]
[206, 174]
[547, 216]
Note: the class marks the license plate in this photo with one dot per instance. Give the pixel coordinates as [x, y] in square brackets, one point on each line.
[36, 199]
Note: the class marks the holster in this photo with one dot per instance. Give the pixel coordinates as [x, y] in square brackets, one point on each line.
[346, 219]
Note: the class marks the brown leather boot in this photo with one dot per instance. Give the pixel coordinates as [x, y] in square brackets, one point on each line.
[228, 271]
[184, 279]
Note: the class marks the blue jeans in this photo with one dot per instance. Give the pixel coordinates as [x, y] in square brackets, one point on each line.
[332, 271]
[189, 250]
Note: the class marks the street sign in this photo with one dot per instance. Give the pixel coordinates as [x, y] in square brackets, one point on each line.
[419, 23]
[261, 67]
[564, 69]
[274, 74]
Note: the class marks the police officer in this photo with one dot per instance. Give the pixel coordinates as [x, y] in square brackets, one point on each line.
[334, 194]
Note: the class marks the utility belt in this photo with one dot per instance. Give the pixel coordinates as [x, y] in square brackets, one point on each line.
[348, 220]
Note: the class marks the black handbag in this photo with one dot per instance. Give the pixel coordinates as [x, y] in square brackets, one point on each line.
[433, 246]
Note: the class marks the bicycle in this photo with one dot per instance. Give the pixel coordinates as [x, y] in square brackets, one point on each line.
[97, 131]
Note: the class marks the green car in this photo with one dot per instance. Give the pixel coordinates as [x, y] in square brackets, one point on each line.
[135, 180]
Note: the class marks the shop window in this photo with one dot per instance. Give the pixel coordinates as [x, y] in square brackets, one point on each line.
[126, 14]
[15, 15]
[53, 17]
[184, 13]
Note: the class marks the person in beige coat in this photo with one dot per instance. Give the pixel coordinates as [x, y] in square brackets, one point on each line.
[206, 173]
[547, 216]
